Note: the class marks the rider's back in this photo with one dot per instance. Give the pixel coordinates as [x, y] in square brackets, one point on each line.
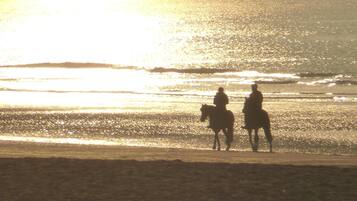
[221, 100]
[255, 101]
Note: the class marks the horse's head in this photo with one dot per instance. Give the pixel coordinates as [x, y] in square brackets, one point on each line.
[204, 112]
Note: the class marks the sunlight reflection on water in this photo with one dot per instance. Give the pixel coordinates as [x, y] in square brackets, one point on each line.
[269, 42]
[148, 142]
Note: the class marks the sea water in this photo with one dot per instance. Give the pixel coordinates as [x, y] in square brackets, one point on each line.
[139, 72]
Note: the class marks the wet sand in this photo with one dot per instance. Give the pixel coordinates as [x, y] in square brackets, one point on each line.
[30, 171]
[296, 127]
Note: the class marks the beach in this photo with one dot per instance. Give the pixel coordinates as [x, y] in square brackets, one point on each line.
[297, 127]
[101, 100]
[35, 171]
[161, 151]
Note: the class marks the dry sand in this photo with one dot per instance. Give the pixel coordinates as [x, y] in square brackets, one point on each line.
[30, 171]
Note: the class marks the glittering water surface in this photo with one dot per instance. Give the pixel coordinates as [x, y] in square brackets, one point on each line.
[271, 35]
[135, 72]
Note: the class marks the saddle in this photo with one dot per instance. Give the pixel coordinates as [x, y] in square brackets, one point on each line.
[220, 118]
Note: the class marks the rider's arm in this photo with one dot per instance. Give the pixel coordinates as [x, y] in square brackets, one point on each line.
[261, 97]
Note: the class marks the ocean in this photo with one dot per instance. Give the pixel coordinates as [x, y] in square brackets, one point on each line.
[136, 72]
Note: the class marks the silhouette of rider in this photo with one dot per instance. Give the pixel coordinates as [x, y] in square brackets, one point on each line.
[256, 99]
[220, 100]
[255, 102]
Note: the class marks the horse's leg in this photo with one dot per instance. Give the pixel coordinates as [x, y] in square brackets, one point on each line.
[256, 139]
[218, 143]
[270, 147]
[250, 138]
[215, 139]
[269, 138]
[228, 138]
[267, 131]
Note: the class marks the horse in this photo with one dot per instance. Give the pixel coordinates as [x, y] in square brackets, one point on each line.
[219, 122]
[255, 120]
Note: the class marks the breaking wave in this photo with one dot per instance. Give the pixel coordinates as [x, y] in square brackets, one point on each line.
[311, 74]
[233, 74]
[202, 70]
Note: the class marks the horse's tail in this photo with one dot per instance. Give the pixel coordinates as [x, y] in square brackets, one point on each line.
[266, 126]
[268, 135]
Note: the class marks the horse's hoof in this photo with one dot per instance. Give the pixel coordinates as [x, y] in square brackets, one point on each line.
[214, 148]
[219, 149]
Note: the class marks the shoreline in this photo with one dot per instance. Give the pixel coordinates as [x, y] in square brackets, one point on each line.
[12, 149]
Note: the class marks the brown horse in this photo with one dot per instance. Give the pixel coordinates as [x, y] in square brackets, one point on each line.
[255, 120]
[219, 122]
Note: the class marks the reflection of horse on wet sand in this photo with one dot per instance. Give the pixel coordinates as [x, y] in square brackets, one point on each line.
[255, 120]
[218, 122]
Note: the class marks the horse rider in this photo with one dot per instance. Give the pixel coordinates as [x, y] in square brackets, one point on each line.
[256, 98]
[255, 102]
[220, 100]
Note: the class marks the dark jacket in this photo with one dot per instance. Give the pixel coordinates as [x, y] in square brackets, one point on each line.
[256, 100]
[221, 100]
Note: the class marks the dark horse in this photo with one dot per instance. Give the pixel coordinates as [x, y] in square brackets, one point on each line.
[219, 122]
[255, 120]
